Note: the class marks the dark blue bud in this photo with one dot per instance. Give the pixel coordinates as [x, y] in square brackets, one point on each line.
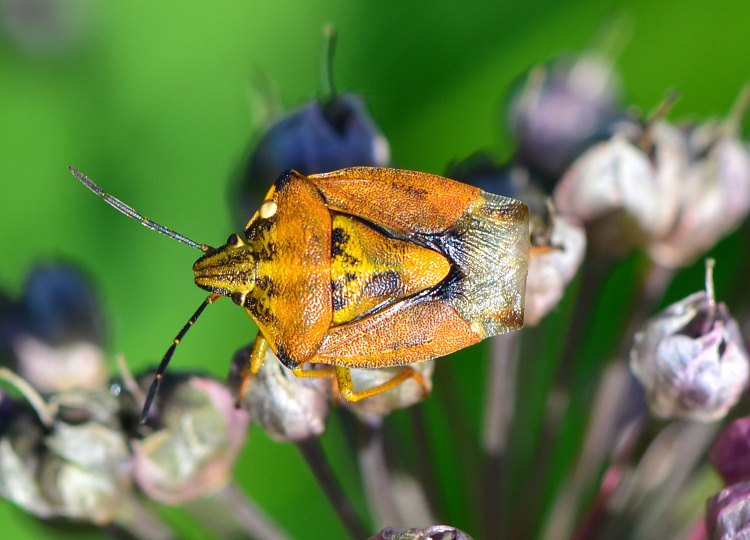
[319, 137]
[59, 306]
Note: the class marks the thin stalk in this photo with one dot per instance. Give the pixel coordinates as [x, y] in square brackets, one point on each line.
[499, 414]
[313, 453]
[138, 521]
[253, 521]
[375, 475]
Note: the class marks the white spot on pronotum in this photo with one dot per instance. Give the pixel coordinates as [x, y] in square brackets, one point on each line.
[268, 209]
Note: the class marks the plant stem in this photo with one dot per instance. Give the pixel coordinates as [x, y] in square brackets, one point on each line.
[321, 468]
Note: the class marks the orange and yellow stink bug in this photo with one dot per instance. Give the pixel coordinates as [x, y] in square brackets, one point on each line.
[366, 268]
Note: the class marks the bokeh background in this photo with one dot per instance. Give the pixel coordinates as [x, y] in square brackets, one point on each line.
[153, 100]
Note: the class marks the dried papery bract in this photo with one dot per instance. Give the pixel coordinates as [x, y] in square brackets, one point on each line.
[288, 407]
[728, 513]
[621, 193]
[75, 465]
[713, 195]
[690, 358]
[555, 258]
[435, 532]
[193, 453]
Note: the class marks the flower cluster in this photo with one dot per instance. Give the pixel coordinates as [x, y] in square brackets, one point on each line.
[70, 445]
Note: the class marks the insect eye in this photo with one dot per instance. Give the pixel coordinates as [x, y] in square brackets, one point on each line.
[238, 298]
[233, 240]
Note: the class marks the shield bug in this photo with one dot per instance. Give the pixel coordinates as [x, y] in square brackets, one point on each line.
[365, 268]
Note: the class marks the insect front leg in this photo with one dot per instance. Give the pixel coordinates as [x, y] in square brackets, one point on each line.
[254, 361]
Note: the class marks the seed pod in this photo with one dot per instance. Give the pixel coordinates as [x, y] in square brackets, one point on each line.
[435, 532]
[288, 407]
[690, 358]
[728, 513]
[193, 452]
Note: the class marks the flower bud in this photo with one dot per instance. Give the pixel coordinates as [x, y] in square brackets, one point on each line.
[435, 532]
[555, 257]
[193, 452]
[559, 107]
[730, 453]
[58, 332]
[728, 513]
[624, 197]
[714, 194]
[318, 137]
[288, 407]
[690, 358]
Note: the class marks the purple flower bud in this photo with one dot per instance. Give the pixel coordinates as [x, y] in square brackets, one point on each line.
[730, 454]
[194, 452]
[435, 532]
[728, 513]
[555, 259]
[289, 408]
[561, 106]
[690, 359]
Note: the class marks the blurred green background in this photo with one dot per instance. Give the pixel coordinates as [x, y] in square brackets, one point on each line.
[151, 100]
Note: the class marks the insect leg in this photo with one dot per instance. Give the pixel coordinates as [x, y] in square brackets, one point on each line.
[257, 354]
[346, 389]
[168, 356]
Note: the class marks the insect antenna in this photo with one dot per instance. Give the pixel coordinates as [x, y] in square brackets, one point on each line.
[130, 212]
[159, 375]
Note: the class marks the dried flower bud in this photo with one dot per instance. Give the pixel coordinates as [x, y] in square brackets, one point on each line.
[559, 107]
[690, 358]
[556, 256]
[625, 199]
[728, 513]
[435, 532]
[288, 407]
[194, 451]
[406, 394]
[74, 464]
[319, 137]
[58, 369]
[730, 454]
[714, 195]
